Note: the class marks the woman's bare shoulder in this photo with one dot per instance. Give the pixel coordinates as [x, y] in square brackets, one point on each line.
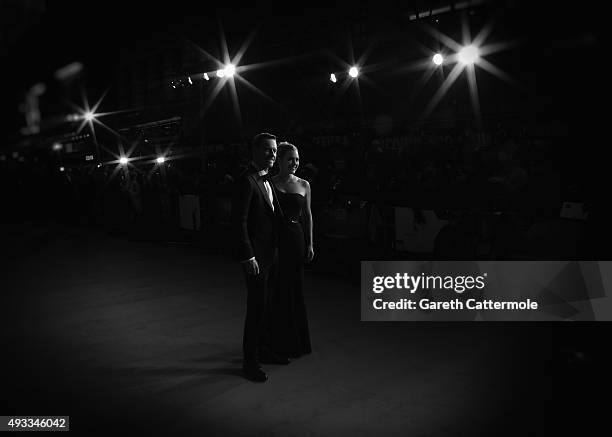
[303, 182]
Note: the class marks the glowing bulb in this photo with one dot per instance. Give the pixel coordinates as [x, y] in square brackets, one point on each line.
[89, 116]
[354, 72]
[220, 73]
[438, 59]
[468, 55]
[123, 160]
[161, 160]
[332, 77]
[230, 69]
[206, 76]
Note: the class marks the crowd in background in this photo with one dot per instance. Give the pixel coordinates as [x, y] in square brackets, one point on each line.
[493, 188]
[431, 169]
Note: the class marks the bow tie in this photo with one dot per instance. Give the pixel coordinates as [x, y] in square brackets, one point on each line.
[265, 177]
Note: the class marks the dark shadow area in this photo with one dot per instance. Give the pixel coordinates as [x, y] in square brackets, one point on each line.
[122, 304]
[77, 351]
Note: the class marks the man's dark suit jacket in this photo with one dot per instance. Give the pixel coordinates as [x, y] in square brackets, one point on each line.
[255, 223]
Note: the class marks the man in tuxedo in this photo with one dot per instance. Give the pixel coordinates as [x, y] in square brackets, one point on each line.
[255, 218]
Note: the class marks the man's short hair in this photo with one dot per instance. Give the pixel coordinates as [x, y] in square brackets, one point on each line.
[259, 138]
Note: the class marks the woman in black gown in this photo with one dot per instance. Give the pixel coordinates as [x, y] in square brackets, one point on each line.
[290, 334]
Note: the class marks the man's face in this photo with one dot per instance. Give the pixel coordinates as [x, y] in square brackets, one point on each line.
[264, 154]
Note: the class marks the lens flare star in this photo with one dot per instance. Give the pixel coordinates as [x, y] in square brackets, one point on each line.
[468, 56]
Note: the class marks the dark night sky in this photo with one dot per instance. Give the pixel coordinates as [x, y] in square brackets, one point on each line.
[93, 31]
[554, 62]
[49, 35]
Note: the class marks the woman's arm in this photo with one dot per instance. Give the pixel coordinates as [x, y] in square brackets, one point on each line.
[308, 220]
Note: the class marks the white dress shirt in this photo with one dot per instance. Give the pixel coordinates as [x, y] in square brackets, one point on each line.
[268, 187]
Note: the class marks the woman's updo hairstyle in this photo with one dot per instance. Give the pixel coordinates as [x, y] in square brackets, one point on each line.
[284, 147]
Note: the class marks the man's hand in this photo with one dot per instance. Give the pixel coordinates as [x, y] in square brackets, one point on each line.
[310, 253]
[251, 267]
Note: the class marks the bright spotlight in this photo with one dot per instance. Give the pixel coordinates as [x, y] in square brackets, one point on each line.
[230, 69]
[89, 116]
[332, 77]
[190, 81]
[161, 160]
[354, 72]
[220, 73]
[468, 55]
[123, 160]
[62, 168]
[57, 146]
[206, 76]
[438, 59]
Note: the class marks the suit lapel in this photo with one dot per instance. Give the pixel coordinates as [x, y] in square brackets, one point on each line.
[277, 204]
[262, 188]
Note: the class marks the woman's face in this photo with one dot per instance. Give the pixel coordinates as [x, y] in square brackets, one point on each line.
[290, 162]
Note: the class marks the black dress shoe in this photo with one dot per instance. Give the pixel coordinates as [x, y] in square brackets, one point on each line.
[254, 373]
[269, 357]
